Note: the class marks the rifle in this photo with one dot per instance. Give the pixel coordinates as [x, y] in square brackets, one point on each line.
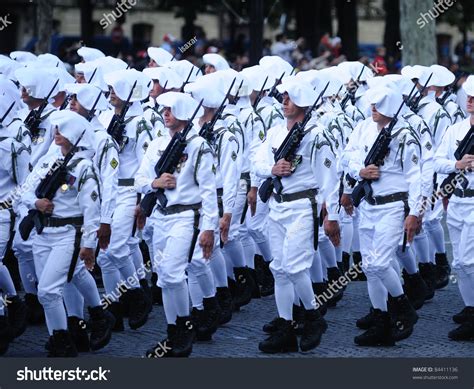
[376, 156]
[33, 120]
[274, 92]
[6, 113]
[91, 113]
[47, 188]
[415, 101]
[237, 97]
[465, 147]
[351, 92]
[449, 91]
[167, 164]
[116, 127]
[187, 80]
[207, 129]
[260, 94]
[287, 151]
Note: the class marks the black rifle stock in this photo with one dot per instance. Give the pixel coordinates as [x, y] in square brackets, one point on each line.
[116, 126]
[167, 163]
[33, 120]
[465, 147]
[207, 129]
[47, 189]
[287, 151]
[274, 92]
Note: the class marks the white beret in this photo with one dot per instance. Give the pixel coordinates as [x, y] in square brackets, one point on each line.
[403, 84]
[441, 76]
[301, 94]
[50, 60]
[22, 56]
[256, 76]
[87, 95]
[123, 80]
[159, 55]
[386, 100]
[63, 76]
[182, 105]
[355, 70]
[468, 86]
[183, 68]
[215, 60]
[276, 65]
[90, 54]
[37, 82]
[165, 76]
[8, 67]
[413, 72]
[205, 88]
[6, 101]
[71, 125]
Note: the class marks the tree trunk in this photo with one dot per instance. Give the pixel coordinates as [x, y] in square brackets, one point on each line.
[347, 28]
[308, 22]
[86, 22]
[256, 30]
[45, 25]
[418, 32]
[392, 28]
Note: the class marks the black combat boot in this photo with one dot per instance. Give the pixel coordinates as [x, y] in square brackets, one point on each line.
[182, 342]
[314, 328]
[367, 321]
[125, 300]
[379, 333]
[226, 305]
[101, 324]
[346, 260]
[428, 273]
[77, 328]
[268, 284]
[318, 289]
[283, 340]
[232, 285]
[139, 308]
[208, 319]
[35, 309]
[243, 287]
[464, 315]
[357, 260]
[156, 290]
[272, 326]
[333, 279]
[162, 348]
[147, 293]
[443, 270]
[404, 317]
[252, 274]
[62, 345]
[17, 315]
[466, 330]
[415, 288]
[5, 335]
[116, 310]
[298, 318]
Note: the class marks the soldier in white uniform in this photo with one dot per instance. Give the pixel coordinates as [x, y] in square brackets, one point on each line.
[133, 138]
[384, 215]
[460, 217]
[188, 219]
[14, 158]
[293, 218]
[71, 221]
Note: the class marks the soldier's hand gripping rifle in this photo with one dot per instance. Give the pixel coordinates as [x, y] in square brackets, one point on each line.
[207, 129]
[449, 90]
[350, 95]
[287, 151]
[33, 120]
[415, 101]
[167, 163]
[376, 155]
[465, 147]
[259, 95]
[47, 189]
[274, 92]
[116, 128]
